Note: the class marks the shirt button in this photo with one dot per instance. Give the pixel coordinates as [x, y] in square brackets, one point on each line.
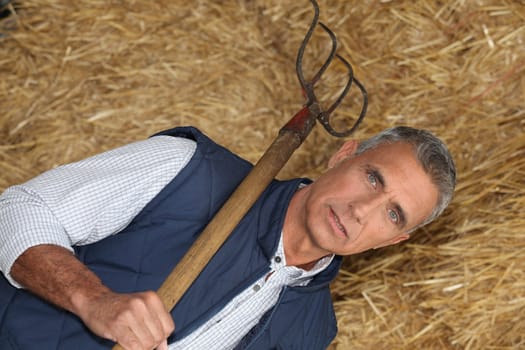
[256, 288]
[277, 259]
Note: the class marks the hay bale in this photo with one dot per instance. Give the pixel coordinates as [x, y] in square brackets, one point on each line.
[81, 77]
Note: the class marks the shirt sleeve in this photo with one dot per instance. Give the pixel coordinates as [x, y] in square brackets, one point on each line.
[83, 202]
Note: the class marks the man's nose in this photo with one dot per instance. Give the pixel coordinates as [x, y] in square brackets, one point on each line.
[365, 206]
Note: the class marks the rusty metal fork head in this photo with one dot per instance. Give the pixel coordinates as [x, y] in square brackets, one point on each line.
[312, 105]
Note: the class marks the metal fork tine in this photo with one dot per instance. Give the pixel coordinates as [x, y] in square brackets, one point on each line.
[299, 61]
[325, 65]
[347, 87]
[324, 118]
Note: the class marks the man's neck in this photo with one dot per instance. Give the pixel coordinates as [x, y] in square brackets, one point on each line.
[297, 257]
[298, 248]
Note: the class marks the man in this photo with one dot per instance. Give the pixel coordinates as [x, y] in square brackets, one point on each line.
[82, 246]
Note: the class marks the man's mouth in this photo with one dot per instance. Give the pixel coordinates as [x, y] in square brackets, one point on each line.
[338, 223]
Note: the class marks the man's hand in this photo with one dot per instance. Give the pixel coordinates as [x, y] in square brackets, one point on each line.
[137, 321]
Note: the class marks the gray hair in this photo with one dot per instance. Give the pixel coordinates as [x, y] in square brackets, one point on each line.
[431, 153]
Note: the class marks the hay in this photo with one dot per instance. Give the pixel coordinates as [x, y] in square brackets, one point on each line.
[79, 77]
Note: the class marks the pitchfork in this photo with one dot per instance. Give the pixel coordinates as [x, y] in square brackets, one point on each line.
[288, 140]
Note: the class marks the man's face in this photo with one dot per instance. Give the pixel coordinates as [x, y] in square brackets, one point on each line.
[366, 201]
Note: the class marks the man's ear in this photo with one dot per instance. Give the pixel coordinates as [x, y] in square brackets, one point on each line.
[346, 150]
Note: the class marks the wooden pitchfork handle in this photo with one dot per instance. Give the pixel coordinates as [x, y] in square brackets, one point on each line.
[288, 140]
[230, 214]
[233, 210]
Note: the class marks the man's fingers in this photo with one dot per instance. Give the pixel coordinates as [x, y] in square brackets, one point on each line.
[137, 321]
[162, 315]
[163, 345]
[154, 324]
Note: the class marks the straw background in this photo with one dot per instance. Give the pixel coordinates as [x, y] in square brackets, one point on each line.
[80, 77]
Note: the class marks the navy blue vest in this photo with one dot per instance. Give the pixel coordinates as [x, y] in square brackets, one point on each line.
[143, 254]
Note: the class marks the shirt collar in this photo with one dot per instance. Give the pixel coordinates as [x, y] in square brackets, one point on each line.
[297, 275]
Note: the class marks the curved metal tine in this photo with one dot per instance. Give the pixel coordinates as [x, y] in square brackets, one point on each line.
[361, 115]
[346, 89]
[324, 117]
[325, 65]
[307, 88]
[363, 109]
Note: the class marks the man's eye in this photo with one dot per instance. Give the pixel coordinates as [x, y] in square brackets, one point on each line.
[394, 217]
[372, 179]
